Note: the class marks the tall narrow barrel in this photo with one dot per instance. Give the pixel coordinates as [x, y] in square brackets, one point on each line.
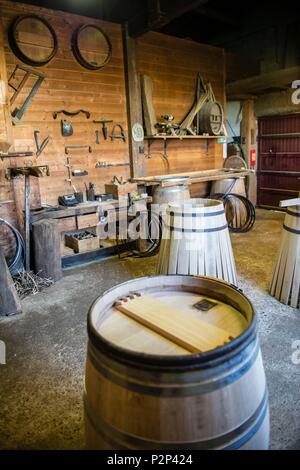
[195, 240]
[285, 284]
[144, 391]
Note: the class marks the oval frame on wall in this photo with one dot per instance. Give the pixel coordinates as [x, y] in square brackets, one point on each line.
[78, 53]
[17, 50]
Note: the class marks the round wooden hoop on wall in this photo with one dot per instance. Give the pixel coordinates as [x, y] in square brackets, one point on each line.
[87, 58]
[23, 43]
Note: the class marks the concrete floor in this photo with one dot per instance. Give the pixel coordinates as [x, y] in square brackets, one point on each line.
[42, 382]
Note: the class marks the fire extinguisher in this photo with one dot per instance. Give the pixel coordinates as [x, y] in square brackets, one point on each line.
[252, 158]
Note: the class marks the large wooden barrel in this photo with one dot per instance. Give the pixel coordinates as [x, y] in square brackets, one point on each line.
[285, 284]
[143, 391]
[236, 213]
[211, 118]
[195, 240]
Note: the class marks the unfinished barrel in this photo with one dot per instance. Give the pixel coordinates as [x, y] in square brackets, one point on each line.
[145, 391]
[285, 284]
[211, 118]
[236, 213]
[177, 190]
[195, 240]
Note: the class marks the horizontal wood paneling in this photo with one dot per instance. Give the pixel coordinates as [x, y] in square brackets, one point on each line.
[70, 86]
[173, 65]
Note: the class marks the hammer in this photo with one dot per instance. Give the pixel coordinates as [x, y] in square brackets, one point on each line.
[104, 128]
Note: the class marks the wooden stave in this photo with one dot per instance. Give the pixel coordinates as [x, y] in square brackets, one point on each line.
[163, 378]
[285, 284]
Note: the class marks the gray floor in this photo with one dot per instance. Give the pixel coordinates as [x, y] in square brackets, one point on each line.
[42, 382]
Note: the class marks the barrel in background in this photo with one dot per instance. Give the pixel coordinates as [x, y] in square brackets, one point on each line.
[196, 241]
[236, 213]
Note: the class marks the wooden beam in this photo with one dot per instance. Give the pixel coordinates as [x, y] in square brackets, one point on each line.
[248, 137]
[159, 13]
[282, 78]
[6, 132]
[134, 104]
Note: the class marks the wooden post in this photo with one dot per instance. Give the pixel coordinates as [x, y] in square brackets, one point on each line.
[26, 220]
[134, 104]
[46, 245]
[6, 132]
[248, 137]
[9, 300]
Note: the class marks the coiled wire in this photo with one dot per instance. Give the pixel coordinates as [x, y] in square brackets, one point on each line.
[17, 265]
[250, 210]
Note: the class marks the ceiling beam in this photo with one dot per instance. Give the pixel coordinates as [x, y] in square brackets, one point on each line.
[216, 15]
[159, 13]
[281, 79]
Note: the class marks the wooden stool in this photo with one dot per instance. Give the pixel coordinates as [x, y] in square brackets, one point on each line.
[196, 241]
[285, 285]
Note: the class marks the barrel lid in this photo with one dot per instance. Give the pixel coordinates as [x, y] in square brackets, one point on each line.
[210, 301]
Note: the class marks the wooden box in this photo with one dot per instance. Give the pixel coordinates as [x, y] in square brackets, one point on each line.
[118, 190]
[80, 246]
[86, 221]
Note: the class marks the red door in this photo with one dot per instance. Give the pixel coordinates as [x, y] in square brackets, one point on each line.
[278, 174]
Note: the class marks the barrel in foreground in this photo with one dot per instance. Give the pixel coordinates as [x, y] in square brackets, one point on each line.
[147, 389]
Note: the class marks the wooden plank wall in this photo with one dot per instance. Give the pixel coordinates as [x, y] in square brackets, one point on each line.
[70, 86]
[173, 65]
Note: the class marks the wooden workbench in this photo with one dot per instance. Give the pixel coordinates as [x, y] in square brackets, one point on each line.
[193, 176]
[68, 221]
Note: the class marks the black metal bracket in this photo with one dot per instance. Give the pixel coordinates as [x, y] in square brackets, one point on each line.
[71, 113]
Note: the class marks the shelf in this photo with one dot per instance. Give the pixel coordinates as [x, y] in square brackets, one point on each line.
[182, 137]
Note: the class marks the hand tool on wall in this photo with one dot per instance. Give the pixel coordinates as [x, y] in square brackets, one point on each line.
[97, 137]
[79, 173]
[115, 136]
[40, 147]
[37, 171]
[15, 154]
[76, 147]
[104, 127]
[71, 113]
[66, 128]
[90, 192]
[109, 164]
[18, 113]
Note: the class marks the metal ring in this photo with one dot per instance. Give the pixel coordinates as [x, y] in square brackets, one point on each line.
[18, 52]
